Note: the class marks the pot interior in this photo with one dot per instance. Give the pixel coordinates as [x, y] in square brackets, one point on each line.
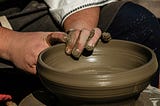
[106, 59]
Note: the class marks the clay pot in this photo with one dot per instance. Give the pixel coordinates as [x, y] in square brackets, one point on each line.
[116, 70]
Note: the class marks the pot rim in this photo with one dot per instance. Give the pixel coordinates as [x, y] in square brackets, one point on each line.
[152, 64]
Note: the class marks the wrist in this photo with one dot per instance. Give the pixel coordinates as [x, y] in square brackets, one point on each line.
[5, 39]
[84, 19]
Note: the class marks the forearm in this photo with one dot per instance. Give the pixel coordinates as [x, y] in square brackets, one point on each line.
[87, 18]
[5, 35]
[62, 9]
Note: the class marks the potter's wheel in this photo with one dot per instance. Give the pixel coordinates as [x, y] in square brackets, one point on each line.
[149, 97]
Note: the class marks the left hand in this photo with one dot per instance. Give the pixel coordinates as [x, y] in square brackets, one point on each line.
[83, 31]
[23, 48]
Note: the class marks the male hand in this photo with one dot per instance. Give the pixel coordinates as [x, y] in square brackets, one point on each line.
[80, 39]
[23, 48]
[83, 32]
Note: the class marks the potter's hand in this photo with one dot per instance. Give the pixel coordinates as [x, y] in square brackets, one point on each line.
[83, 31]
[23, 48]
[80, 39]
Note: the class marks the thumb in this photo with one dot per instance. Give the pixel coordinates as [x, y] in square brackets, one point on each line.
[56, 37]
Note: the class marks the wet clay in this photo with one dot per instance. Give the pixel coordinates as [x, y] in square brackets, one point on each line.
[116, 70]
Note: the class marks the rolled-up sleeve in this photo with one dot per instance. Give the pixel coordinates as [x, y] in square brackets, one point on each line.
[61, 9]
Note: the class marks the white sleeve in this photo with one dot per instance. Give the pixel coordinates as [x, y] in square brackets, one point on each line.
[61, 9]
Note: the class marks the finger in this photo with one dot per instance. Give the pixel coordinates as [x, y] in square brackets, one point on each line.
[31, 68]
[81, 42]
[10, 103]
[72, 38]
[56, 37]
[29, 64]
[106, 37]
[92, 41]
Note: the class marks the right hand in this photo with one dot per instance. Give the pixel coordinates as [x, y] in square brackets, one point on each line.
[85, 33]
[80, 39]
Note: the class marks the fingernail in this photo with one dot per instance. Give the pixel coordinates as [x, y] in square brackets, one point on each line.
[76, 53]
[65, 38]
[106, 36]
[68, 51]
[89, 48]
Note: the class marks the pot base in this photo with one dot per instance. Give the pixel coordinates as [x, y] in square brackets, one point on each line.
[43, 98]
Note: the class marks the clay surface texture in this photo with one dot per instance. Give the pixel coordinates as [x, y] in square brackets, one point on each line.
[114, 71]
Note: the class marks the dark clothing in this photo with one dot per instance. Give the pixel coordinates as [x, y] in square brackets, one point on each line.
[137, 24]
[29, 16]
